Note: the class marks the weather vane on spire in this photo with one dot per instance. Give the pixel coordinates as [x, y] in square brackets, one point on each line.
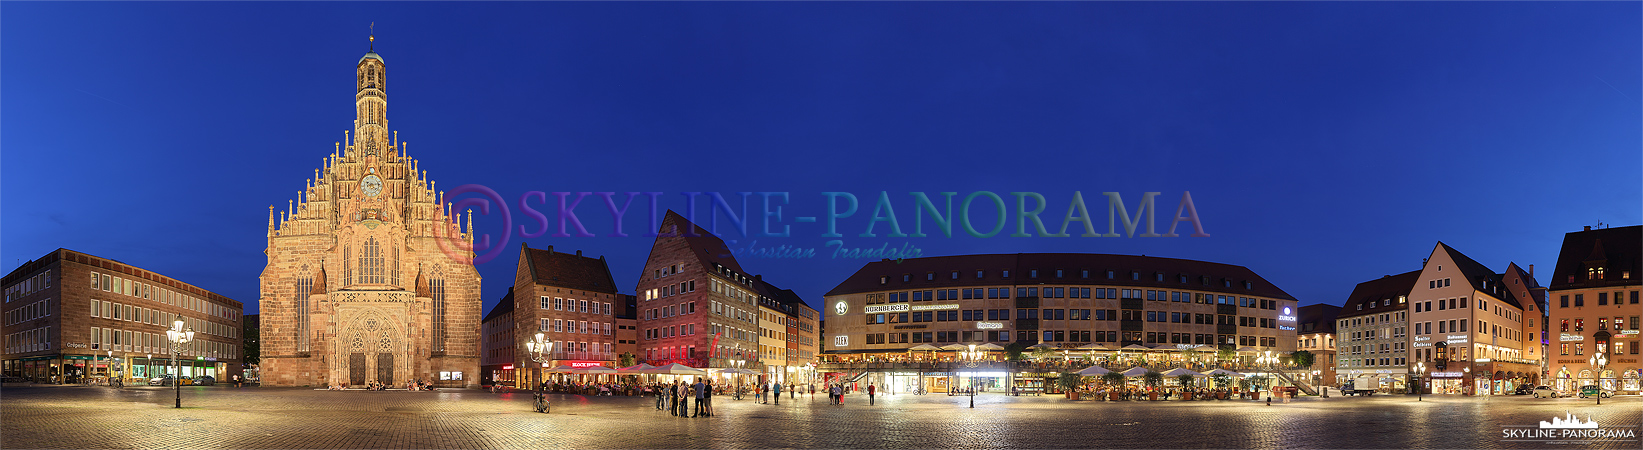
[373, 36]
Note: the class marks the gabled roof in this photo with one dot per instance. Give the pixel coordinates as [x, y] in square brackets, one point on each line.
[1321, 317]
[1223, 278]
[1376, 291]
[570, 271]
[1479, 276]
[502, 307]
[1617, 250]
[709, 249]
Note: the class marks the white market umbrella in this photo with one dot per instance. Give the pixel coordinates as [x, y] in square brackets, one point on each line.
[1204, 348]
[1248, 350]
[676, 369]
[955, 347]
[1224, 372]
[1041, 345]
[560, 369]
[1093, 347]
[925, 347]
[1094, 371]
[1135, 372]
[1137, 347]
[640, 368]
[990, 347]
[594, 370]
[1181, 371]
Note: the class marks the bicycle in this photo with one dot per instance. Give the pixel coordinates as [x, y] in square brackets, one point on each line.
[541, 403]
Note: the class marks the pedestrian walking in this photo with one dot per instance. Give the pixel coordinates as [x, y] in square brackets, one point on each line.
[792, 391]
[777, 388]
[870, 390]
[656, 388]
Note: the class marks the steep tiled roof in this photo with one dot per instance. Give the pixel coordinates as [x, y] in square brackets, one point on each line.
[503, 307]
[1374, 291]
[571, 271]
[1617, 250]
[1224, 278]
[1480, 277]
[1318, 318]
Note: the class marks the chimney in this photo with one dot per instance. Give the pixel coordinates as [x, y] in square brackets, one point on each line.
[1588, 228]
[1531, 271]
[578, 253]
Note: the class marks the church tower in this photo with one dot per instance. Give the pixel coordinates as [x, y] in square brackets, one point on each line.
[369, 275]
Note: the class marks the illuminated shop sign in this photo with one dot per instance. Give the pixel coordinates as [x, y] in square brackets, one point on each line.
[841, 307]
[1628, 333]
[896, 307]
[1287, 316]
[1456, 339]
[934, 307]
[989, 325]
[1286, 328]
[1566, 337]
[584, 364]
[1447, 374]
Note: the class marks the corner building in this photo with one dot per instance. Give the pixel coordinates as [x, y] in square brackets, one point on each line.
[1373, 352]
[369, 277]
[1474, 332]
[1066, 300]
[66, 311]
[572, 300]
[1595, 286]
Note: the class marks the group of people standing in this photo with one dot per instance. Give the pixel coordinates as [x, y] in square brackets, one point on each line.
[676, 398]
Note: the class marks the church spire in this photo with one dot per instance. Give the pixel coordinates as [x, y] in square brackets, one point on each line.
[371, 101]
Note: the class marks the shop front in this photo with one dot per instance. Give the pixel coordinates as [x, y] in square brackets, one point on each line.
[981, 381]
[1450, 383]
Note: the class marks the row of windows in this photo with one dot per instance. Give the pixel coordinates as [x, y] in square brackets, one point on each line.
[1383, 302]
[1446, 303]
[1602, 324]
[1060, 273]
[1065, 292]
[1370, 319]
[143, 342]
[1602, 299]
[1579, 348]
[688, 329]
[1128, 337]
[1392, 347]
[30, 285]
[670, 290]
[575, 326]
[1388, 361]
[34, 340]
[132, 313]
[574, 305]
[133, 288]
[31, 311]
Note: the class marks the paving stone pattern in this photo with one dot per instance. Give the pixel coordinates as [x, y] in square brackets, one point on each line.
[227, 417]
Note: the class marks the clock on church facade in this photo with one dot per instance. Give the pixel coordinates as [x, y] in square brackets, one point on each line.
[369, 275]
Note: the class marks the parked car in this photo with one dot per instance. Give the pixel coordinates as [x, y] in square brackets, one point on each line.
[205, 380]
[1524, 389]
[1593, 390]
[1545, 392]
[162, 380]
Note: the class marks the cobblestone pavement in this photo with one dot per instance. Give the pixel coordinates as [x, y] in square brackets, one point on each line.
[227, 417]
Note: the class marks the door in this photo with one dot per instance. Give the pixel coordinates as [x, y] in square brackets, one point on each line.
[356, 369]
[385, 368]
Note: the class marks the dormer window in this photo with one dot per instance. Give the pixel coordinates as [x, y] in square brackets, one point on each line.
[1085, 273]
[906, 277]
[1158, 277]
[1032, 273]
[955, 274]
[1183, 278]
[884, 279]
[1005, 274]
[1226, 283]
[1110, 275]
[930, 276]
[1058, 273]
[1249, 285]
[1135, 276]
[980, 274]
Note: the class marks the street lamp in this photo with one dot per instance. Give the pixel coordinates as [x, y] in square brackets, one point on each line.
[1599, 360]
[972, 356]
[537, 349]
[113, 375]
[178, 337]
[1420, 370]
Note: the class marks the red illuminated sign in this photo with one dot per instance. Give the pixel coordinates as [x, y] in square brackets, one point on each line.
[508, 367]
[584, 364]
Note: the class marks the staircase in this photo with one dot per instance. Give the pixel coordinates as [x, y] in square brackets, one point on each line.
[1297, 383]
[856, 377]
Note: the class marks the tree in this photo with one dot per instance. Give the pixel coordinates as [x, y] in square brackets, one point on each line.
[1189, 354]
[1040, 353]
[1221, 380]
[1113, 379]
[1153, 379]
[1302, 358]
[252, 345]
[1186, 380]
[1069, 381]
[1013, 351]
[626, 359]
[1226, 352]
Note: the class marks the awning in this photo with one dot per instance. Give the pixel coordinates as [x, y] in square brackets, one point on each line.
[1094, 371]
[1181, 371]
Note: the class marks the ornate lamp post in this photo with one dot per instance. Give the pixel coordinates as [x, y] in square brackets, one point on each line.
[178, 337]
[1420, 391]
[1599, 360]
[538, 349]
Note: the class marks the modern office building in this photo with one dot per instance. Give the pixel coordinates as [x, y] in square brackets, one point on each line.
[1469, 329]
[1062, 300]
[369, 277]
[572, 300]
[1373, 328]
[1595, 311]
[1316, 335]
[70, 315]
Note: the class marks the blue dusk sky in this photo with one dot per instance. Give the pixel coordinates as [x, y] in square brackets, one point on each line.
[1323, 143]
